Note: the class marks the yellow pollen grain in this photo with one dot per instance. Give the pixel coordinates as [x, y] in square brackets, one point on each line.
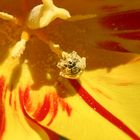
[25, 36]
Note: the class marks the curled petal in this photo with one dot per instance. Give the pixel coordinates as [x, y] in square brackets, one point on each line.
[13, 123]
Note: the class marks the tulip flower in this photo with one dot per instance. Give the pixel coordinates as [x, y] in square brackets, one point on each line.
[69, 70]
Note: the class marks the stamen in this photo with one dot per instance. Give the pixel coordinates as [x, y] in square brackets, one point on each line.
[6, 16]
[20, 45]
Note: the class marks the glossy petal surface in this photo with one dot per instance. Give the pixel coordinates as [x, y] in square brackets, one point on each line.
[102, 104]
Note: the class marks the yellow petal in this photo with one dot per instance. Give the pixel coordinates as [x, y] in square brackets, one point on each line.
[115, 97]
[63, 107]
[13, 117]
[15, 124]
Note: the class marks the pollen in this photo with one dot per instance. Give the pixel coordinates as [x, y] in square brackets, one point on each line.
[71, 65]
[25, 36]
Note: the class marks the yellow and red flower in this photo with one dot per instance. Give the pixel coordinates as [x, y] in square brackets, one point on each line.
[36, 103]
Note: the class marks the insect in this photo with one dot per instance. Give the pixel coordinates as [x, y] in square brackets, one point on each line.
[71, 65]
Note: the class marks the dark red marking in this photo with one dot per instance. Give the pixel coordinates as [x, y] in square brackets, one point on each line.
[42, 111]
[111, 45]
[132, 35]
[26, 95]
[126, 20]
[65, 106]
[52, 135]
[2, 110]
[27, 102]
[49, 105]
[68, 109]
[54, 107]
[101, 110]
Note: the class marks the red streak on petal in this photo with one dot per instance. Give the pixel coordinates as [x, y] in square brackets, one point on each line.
[68, 109]
[42, 111]
[26, 95]
[52, 135]
[132, 35]
[65, 106]
[101, 110]
[49, 105]
[111, 45]
[128, 20]
[54, 108]
[2, 110]
[55, 102]
[27, 103]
